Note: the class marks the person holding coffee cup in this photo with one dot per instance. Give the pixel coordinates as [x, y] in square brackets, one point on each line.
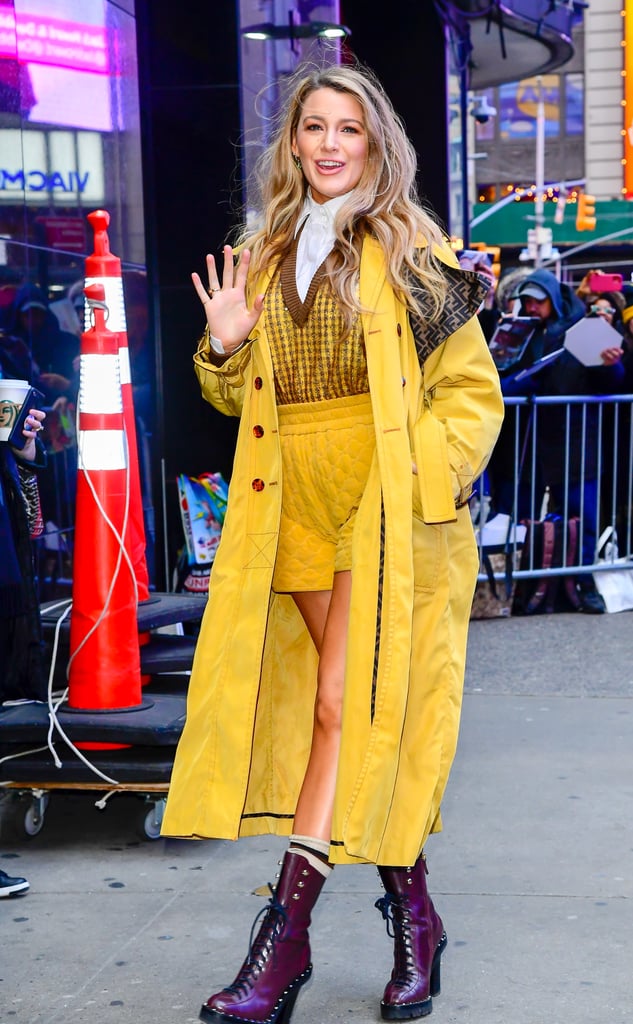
[21, 653]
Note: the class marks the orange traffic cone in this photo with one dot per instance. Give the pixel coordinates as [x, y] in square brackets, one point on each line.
[103, 268]
[104, 667]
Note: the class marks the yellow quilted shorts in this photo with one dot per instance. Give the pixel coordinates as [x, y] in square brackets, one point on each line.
[327, 448]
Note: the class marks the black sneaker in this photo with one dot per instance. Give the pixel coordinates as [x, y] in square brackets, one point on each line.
[12, 886]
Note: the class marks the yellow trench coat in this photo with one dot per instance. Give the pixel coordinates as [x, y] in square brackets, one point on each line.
[243, 752]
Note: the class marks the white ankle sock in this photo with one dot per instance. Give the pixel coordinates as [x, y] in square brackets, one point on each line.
[320, 845]
[304, 844]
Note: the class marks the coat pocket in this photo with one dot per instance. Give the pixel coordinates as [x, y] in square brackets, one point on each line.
[427, 550]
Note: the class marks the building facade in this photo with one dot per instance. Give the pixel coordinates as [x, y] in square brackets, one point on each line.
[588, 142]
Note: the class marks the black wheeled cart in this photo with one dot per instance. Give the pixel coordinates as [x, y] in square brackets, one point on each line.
[132, 750]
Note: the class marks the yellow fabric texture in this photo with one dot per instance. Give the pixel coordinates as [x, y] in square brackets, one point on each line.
[327, 448]
[244, 748]
[309, 362]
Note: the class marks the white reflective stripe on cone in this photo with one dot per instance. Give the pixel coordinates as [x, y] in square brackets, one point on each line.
[102, 449]
[100, 383]
[124, 361]
[113, 288]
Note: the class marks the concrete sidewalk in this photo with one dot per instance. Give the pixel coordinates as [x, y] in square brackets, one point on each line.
[533, 874]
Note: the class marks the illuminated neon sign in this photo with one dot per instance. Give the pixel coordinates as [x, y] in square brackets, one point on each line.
[41, 181]
[50, 167]
[42, 40]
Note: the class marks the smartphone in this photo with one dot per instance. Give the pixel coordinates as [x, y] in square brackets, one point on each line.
[32, 401]
[475, 256]
[605, 282]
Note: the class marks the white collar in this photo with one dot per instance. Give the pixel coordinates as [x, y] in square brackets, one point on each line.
[326, 210]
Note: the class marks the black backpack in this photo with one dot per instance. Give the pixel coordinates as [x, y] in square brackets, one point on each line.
[547, 593]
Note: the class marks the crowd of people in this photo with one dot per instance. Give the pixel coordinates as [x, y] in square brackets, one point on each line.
[574, 458]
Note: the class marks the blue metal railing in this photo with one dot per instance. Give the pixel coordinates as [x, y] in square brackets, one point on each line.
[583, 469]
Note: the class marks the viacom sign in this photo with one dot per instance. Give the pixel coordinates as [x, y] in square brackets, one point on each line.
[39, 181]
[55, 167]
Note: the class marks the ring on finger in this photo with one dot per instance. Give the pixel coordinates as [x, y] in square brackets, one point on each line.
[212, 291]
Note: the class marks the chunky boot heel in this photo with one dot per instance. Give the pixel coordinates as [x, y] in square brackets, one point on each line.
[285, 1011]
[278, 962]
[419, 941]
[434, 987]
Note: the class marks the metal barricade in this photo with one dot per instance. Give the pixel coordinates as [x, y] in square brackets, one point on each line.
[570, 456]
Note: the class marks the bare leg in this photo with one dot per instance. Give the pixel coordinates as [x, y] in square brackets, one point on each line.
[326, 614]
[267, 985]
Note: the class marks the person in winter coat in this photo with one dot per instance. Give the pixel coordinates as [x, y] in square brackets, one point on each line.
[52, 367]
[608, 305]
[567, 453]
[52, 351]
[21, 650]
[326, 687]
[617, 309]
[21, 661]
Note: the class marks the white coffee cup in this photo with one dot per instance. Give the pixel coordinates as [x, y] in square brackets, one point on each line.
[12, 395]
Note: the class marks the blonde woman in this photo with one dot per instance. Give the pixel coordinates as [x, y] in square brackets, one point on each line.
[326, 688]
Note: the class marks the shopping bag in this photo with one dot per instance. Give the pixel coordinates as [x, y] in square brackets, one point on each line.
[615, 585]
[493, 597]
[500, 542]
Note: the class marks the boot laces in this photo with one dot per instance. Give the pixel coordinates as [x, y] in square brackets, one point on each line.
[262, 946]
[396, 914]
[385, 905]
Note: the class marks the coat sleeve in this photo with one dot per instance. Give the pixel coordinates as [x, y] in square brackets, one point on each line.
[222, 381]
[461, 415]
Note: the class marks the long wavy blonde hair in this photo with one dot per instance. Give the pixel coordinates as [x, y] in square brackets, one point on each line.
[384, 204]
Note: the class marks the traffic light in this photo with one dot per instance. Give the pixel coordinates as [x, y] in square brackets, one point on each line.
[586, 212]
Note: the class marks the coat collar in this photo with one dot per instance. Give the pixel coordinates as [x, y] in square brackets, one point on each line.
[466, 291]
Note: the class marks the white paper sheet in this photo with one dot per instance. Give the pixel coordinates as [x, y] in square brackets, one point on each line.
[589, 337]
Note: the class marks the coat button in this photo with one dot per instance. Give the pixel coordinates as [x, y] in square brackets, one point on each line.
[257, 383]
[257, 484]
[399, 330]
[258, 430]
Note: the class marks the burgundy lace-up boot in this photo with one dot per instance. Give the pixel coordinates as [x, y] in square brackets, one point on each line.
[278, 961]
[419, 940]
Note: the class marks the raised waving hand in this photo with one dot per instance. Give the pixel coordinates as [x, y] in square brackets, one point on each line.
[228, 316]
